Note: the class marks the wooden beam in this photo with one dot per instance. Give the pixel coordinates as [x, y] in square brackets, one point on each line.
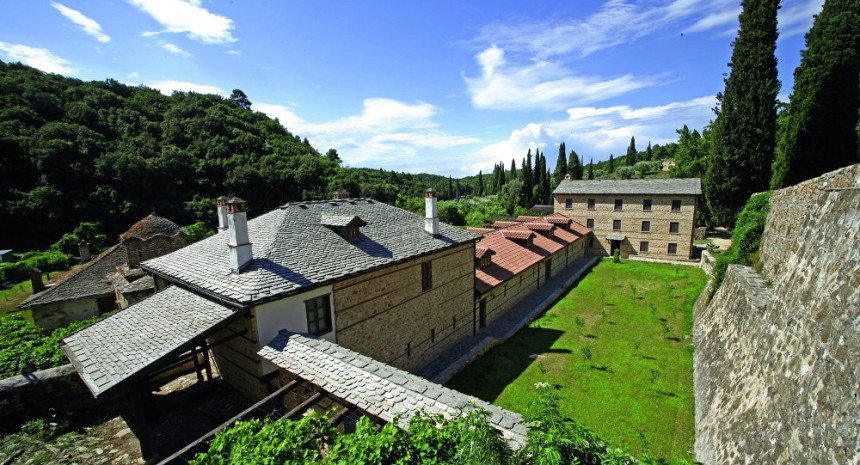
[207, 363]
[299, 408]
[229, 422]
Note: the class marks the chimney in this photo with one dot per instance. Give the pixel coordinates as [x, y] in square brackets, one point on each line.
[240, 246]
[567, 177]
[84, 250]
[431, 217]
[221, 206]
[341, 195]
[36, 280]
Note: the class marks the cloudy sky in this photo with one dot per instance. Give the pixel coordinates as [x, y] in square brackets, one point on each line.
[446, 87]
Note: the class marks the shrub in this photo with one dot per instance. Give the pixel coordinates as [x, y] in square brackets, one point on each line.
[746, 238]
[616, 256]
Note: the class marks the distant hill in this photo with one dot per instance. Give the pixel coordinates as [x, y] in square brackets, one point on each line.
[73, 151]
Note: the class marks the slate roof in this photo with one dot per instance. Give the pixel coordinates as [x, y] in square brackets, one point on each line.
[152, 225]
[126, 343]
[341, 220]
[378, 389]
[292, 250]
[512, 257]
[86, 281]
[679, 186]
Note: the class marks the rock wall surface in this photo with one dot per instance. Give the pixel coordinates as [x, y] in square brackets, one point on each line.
[777, 359]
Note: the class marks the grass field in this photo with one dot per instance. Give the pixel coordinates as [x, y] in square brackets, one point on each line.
[618, 348]
[13, 295]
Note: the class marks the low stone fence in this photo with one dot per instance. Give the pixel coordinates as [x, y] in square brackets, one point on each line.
[60, 389]
[707, 263]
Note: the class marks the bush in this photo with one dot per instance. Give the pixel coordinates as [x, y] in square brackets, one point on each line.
[50, 260]
[197, 231]
[746, 238]
[23, 344]
[616, 256]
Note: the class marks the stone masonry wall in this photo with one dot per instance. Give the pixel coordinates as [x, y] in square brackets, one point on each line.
[388, 316]
[777, 366]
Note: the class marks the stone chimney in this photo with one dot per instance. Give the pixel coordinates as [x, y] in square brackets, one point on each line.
[84, 250]
[431, 216]
[221, 206]
[240, 245]
[341, 195]
[36, 280]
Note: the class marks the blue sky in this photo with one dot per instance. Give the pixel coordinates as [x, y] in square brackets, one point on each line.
[446, 87]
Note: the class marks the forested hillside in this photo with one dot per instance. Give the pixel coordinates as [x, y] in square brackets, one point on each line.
[74, 151]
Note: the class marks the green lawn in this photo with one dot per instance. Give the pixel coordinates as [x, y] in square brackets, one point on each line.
[618, 348]
[13, 295]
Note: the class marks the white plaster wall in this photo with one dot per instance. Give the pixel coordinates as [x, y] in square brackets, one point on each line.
[289, 314]
[54, 316]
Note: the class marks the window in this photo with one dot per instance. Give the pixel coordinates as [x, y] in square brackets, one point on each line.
[454, 322]
[591, 204]
[619, 204]
[589, 223]
[674, 227]
[426, 276]
[591, 241]
[616, 225]
[676, 205]
[352, 233]
[486, 260]
[646, 205]
[646, 226]
[433, 335]
[318, 311]
[568, 203]
[673, 248]
[408, 349]
[643, 246]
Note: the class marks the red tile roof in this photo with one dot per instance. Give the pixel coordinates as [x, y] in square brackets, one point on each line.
[504, 224]
[481, 251]
[480, 230]
[512, 257]
[522, 219]
[537, 226]
[558, 219]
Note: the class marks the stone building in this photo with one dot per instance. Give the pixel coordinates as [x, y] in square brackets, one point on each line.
[367, 276]
[107, 281]
[514, 258]
[641, 217]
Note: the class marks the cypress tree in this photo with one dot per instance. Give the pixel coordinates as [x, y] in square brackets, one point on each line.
[502, 180]
[631, 152]
[821, 130]
[528, 178]
[591, 168]
[574, 166]
[649, 155]
[480, 184]
[611, 164]
[513, 169]
[744, 132]
[450, 188]
[560, 165]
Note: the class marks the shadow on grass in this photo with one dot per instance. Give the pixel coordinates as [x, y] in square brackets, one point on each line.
[489, 375]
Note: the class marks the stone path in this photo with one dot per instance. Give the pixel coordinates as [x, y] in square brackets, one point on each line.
[445, 366]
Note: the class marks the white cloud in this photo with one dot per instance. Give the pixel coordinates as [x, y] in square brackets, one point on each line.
[178, 17]
[168, 87]
[134, 75]
[175, 50]
[615, 23]
[387, 133]
[597, 131]
[797, 18]
[40, 58]
[542, 84]
[89, 26]
[234, 52]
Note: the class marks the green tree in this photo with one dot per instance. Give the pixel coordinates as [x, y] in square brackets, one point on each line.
[528, 180]
[591, 168]
[821, 130]
[480, 184]
[240, 99]
[649, 154]
[611, 163]
[560, 165]
[574, 165]
[631, 152]
[744, 131]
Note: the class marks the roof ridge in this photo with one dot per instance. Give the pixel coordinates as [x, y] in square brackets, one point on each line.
[63, 278]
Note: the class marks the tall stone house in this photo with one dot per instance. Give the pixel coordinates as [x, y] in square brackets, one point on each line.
[113, 279]
[652, 218]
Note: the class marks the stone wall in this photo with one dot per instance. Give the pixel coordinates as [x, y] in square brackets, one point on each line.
[388, 316]
[25, 397]
[777, 367]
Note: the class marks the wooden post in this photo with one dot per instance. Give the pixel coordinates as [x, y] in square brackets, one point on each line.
[207, 362]
[196, 364]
